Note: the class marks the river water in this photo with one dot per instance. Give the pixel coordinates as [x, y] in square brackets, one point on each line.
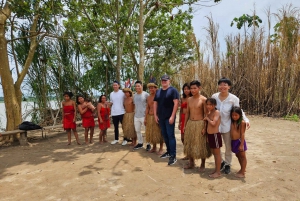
[26, 107]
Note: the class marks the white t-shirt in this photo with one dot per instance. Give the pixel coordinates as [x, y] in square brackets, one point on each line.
[140, 102]
[224, 108]
[117, 99]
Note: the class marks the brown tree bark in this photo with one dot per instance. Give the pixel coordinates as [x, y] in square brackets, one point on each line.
[12, 91]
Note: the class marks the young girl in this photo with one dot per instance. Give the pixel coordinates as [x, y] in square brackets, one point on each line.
[69, 117]
[183, 108]
[86, 111]
[103, 118]
[238, 143]
[214, 138]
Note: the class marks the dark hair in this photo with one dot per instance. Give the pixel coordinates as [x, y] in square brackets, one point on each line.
[188, 86]
[211, 100]
[100, 98]
[239, 111]
[116, 82]
[69, 93]
[138, 82]
[79, 95]
[225, 80]
[195, 82]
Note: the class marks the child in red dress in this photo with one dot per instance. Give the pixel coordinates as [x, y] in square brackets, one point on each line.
[103, 118]
[86, 111]
[69, 118]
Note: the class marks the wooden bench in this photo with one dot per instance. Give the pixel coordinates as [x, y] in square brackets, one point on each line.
[23, 133]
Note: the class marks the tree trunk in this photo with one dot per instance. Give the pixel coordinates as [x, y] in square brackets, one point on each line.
[12, 91]
[141, 43]
[11, 95]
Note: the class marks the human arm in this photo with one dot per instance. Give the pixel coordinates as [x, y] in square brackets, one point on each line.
[146, 112]
[237, 103]
[155, 111]
[175, 107]
[180, 112]
[242, 135]
[74, 104]
[82, 110]
[187, 114]
[99, 112]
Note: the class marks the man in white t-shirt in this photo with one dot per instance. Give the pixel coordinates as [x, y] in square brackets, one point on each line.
[117, 110]
[140, 102]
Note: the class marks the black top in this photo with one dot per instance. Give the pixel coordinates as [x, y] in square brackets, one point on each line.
[165, 104]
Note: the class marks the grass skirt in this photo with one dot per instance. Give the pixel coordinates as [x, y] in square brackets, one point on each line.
[153, 132]
[195, 144]
[128, 125]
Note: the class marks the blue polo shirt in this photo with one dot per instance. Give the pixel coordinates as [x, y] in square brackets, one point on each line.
[165, 104]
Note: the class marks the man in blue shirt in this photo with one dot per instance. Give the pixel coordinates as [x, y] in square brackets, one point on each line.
[165, 108]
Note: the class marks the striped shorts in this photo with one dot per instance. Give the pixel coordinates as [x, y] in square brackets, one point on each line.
[214, 140]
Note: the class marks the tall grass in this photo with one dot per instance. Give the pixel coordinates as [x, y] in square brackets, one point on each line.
[264, 68]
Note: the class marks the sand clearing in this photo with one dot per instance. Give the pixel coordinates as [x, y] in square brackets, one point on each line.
[48, 169]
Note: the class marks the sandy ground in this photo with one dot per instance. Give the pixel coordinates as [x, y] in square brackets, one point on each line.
[50, 170]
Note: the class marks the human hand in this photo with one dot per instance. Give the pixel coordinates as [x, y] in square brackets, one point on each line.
[203, 132]
[241, 147]
[171, 120]
[247, 125]
[156, 118]
[145, 122]
[179, 126]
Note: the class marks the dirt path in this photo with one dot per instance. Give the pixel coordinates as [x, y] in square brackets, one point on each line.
[50, 170]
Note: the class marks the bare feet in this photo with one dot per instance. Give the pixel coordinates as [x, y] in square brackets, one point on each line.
[201, 169]
[160, 152]
[91, 142]
[152, 150]
[132, 144]
[239, 175]
[78, 143]
[189, 166]
[215, 175]
[69, 143]
[185, 158]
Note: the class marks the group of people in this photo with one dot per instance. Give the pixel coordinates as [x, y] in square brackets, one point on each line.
[204, 123]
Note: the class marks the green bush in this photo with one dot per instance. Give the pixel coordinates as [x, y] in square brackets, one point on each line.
[292, 117]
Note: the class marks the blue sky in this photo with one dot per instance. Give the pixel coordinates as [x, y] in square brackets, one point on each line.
[224, 12]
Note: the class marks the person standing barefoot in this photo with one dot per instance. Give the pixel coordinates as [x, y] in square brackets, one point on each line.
[195, 146]
[128, 119]
[213, 136]
[153, 132]
[86, 111]
[69, 117]
[103, 111]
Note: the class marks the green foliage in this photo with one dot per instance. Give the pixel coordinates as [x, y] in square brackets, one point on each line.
[245, 18]
[292, 117]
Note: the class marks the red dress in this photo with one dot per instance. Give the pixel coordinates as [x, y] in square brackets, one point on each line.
[182, 117]
[88, 119]
[104, 113]
[69, 112]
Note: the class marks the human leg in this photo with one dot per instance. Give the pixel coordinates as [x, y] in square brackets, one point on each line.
[243, 162]
[91, 134]
[217, 156]
[86, 135]
[170, 128]
[164, 134]
[76, 135]
[228, 152]
[116, 126]
[69, 136]
[138, 122]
